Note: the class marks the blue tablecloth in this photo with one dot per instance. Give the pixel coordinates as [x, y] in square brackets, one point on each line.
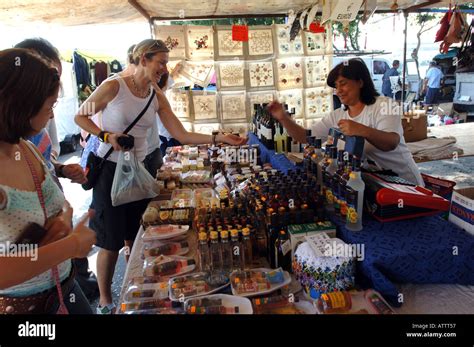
[278, 161]
[424, 250]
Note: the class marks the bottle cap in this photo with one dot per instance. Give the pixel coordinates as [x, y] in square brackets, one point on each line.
[234, 232]
[202, 237]
[245, 231]
[214, 235]
[224, 234]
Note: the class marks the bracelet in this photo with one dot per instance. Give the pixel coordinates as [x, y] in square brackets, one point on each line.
[106, 137]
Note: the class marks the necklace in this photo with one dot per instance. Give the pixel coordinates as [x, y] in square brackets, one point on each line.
[139, 92]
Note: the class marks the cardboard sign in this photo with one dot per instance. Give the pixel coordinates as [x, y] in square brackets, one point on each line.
[346, 11]
[240, 33]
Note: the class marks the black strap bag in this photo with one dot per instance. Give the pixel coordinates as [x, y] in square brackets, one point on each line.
[94, 163]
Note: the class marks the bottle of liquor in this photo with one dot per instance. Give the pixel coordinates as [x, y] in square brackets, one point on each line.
[215, 252]
[236, 250]
[247, 249]
[336, 181]
[355, 197]
[273, 230]
[283, 251]
[316, 159]
[328, 177]
[323, 164]
[226, 251]
[203, 253]
[255, 119]
[261, 232]
[308, 151]
[342, 185]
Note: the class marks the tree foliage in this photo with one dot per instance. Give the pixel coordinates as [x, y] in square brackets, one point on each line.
[352, 34]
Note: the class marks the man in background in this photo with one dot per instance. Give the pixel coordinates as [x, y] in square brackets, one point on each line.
[432, 84]
[386, 84]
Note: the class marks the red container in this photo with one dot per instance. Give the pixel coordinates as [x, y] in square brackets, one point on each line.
[439, 186]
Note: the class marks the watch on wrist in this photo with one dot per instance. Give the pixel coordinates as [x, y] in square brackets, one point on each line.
[101, 136]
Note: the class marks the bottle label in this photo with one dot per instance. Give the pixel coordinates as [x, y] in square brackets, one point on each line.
[286, 247]
[351, 198]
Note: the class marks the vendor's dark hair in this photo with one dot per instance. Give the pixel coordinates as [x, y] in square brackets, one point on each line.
[42, 47]
[356, 70]
[26, 81]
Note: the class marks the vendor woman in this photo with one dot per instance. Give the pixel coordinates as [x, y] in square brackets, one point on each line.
[364, 113]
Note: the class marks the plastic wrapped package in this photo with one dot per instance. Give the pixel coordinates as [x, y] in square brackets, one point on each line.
[218, 304]
[157, 248]
[189, 286]
[155, 306]
[162, 232]
[258, 281]
[196, 176]
[168, 266]
[146, 291]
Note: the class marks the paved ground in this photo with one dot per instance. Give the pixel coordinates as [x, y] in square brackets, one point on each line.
[461, 171]
[80, 201]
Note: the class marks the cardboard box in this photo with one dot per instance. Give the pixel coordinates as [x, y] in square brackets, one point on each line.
[415, 126]
[298, 232]
[462, 209]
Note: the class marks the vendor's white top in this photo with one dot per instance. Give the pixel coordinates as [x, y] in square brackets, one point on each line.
[120, 113]
[381, 115]
[434, 76]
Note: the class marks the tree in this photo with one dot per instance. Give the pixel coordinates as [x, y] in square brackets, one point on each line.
[351, 34]
[424, 21]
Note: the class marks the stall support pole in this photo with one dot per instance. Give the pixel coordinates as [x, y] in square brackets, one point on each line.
[405, 32]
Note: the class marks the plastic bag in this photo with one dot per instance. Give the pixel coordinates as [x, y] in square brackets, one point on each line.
[132, 182]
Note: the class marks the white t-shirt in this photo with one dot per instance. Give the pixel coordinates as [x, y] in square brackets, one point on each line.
[379, 116]
[434, 76]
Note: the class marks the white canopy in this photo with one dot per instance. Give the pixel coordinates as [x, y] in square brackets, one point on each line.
[80, 12]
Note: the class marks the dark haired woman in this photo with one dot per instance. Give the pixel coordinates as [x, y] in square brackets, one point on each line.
[364, 113]
[28, 194]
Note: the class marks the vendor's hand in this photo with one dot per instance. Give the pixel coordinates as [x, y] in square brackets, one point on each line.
[351, 128]
[75, 173]
[112, 139]
[59, 226]
[277, 110]
[231, 139]
[85, 237]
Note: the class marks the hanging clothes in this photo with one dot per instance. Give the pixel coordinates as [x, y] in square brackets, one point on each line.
[115, 66]
[101, 72]
[81, 68]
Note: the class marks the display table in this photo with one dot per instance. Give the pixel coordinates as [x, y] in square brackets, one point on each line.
[424, 250]
[427, 250]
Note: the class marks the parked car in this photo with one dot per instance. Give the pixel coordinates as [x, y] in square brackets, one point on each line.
[379, 65]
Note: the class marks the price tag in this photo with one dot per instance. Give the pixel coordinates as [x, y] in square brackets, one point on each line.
[240, 33]
[316, 28]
